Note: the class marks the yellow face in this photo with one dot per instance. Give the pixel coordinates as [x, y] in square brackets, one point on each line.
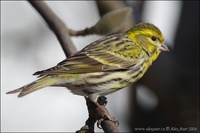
[148, 36]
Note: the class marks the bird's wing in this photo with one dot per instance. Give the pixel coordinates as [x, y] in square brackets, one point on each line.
[87, 63]
[90, 60]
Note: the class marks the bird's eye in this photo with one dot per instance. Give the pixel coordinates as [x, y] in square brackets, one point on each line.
[153, 38]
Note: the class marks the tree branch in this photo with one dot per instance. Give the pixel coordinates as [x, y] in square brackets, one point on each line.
[62, 33]
[56, 25]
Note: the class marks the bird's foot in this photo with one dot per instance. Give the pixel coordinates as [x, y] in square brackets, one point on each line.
[102, 100]
[106, 116]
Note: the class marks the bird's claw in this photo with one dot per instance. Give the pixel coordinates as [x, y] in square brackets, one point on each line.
[102, 100]
[107, 117]
[99, 123]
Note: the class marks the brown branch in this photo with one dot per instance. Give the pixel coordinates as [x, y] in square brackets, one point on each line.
[79, 33]
[62, 33]
[94, 115]
[56, 25]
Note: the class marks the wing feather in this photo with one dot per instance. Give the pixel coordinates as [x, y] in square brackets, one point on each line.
[95, 58]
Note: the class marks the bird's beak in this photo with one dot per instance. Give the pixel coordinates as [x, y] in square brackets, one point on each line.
[163, 47]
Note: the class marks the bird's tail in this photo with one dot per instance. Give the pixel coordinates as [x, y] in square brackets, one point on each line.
[36, 85]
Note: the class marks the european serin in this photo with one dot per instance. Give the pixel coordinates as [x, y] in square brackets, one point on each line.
[104, 66]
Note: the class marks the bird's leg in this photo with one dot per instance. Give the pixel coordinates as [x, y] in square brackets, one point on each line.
[105, 116]
[104, 112]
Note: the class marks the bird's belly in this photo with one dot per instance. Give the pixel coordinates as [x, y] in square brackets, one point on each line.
[100, 83]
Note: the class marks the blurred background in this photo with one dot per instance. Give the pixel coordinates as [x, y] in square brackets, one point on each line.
[167, 96]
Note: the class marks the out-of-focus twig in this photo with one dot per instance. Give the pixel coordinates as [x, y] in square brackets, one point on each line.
[108, 24]
[84, 32]
[56, 25]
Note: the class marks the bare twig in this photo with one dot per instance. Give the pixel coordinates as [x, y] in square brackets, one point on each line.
[56, 25]
[62, 33]
[107, 125]
[80, 33]
[108, 24]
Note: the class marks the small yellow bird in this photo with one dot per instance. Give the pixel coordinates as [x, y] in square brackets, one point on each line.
[104, 66]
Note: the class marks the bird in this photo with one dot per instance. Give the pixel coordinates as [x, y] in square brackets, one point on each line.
[104, 66]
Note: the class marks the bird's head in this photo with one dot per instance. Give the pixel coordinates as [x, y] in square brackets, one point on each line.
[148, 36]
